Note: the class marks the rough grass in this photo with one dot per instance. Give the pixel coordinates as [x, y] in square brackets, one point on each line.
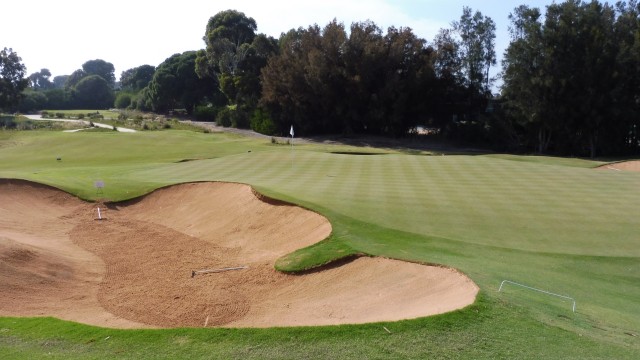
[547, 222]
[107, 114]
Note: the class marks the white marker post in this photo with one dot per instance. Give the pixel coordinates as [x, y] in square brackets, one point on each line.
[99, 214]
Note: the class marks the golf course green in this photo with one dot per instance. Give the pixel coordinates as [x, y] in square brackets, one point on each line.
[555, 224]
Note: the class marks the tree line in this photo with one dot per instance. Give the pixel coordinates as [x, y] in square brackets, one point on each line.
[570, 80]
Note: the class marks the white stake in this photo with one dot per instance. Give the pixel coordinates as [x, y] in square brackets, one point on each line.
[99, 215]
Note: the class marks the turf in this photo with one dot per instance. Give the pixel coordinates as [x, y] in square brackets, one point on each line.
[107, 114]
[551, 223]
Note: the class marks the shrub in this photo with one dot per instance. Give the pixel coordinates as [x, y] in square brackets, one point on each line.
[262, 123]
[223, 118]
[240, 119]
[7, 122]
[123, 101]
[95, 116]
[60, 115]
[44, 114]
[80, 116]
[205, 113]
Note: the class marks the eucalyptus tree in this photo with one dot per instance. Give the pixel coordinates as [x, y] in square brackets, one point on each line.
[572, 80]
[175, 84]
[524, 85]
[137, 78]
[93, 92]
[626, 92]
[477, 47]
[327, 81]
[102, 68]
[60, 81]
[12, 78]
[228, 37]
[40, 80]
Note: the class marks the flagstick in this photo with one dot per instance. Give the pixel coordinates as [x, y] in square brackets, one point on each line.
[291, 133]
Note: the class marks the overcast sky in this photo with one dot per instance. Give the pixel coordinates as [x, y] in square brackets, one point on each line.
[61, 35]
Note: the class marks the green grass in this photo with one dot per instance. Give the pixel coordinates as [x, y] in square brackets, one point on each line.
[133, 119]
[550, 223]
[108, 114]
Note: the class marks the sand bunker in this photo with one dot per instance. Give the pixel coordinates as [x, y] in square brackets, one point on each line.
[134, 269]
[624, 166]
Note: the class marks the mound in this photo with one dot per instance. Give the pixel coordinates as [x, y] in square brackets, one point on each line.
[134, 269]
[625, 166]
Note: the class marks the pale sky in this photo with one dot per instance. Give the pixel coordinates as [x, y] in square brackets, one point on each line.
[61, 35]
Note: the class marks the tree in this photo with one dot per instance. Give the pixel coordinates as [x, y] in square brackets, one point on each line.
[101, 68]
[477, 34]
[12, 80]
[523, 75]
[32, 100]
[137, 78]
[74, 78]
[571, 82]
[40, 80]
[325, 81]
[175, 85]
[60, 81]
[228, 36]
[626, 92]
[93, 92]
[59, 99]
[450, 92]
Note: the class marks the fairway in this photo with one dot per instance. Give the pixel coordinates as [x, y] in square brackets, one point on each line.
[556, 224]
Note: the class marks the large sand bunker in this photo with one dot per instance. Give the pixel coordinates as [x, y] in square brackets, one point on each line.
[134, 268]
[633, 165]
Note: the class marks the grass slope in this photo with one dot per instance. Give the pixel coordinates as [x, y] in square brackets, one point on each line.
[546, 222]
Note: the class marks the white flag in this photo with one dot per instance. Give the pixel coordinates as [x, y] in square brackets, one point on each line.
[291, 131]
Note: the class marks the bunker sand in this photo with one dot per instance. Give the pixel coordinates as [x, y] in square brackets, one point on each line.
[134, 268]
[633, 165]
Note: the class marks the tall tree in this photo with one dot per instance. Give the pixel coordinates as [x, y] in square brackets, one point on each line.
[93, 92]
[450, 93]
[573, 79]
[626, 92]
[477, 34]
[99, 67]
[228, 37]
[40, 80]
[137, 78]
[60, 81]
[325, 81]
[175, 84]
[12, 78]
[74, 78]
[523, 76]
